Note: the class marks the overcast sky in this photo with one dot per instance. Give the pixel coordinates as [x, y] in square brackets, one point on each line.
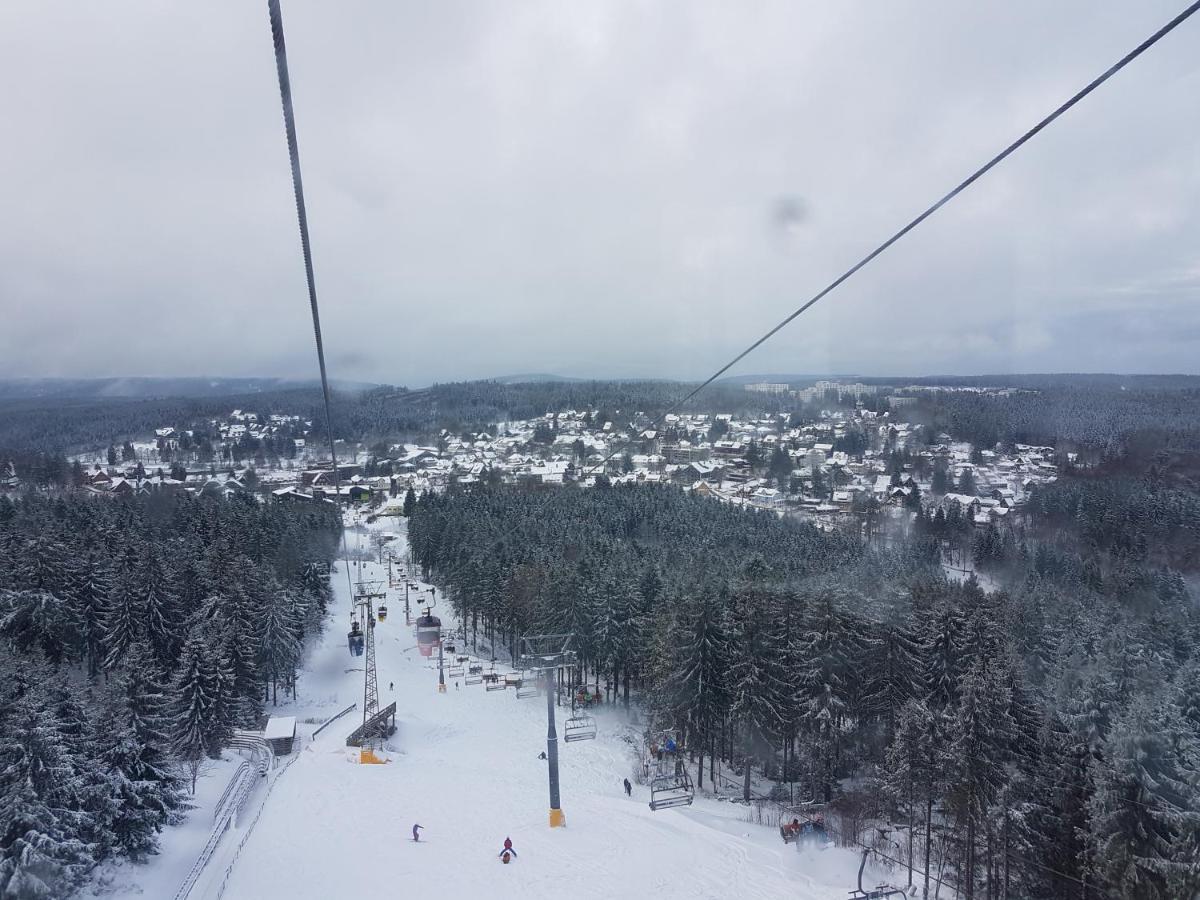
[602, 188]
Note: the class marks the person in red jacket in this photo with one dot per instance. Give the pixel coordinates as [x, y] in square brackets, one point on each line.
[508, 848]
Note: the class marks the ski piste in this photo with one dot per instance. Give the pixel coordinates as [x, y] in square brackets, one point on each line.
[466, 763]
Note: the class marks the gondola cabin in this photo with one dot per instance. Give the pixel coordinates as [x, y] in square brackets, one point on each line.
[383, 613]
[355, 639]
[429, 633]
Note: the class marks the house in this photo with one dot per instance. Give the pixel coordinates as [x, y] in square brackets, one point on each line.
[767, 497]
[698, 471]
[10, 481]
[280, 733]
[290, 493]
[121, 487]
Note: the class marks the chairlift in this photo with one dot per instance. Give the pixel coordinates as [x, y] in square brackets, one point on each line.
[807, 825]
[527, 689]
[879, 892]
[513, 679]
[579, 727]
[493, 682]
[475, 675]
[454, 671]
[669, 791]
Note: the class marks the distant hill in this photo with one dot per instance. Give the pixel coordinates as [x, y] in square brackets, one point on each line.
[543, 378]
[532, 378]
[785, 378]
[146, 388]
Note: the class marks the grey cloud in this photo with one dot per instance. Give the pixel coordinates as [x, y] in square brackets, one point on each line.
[616, 188]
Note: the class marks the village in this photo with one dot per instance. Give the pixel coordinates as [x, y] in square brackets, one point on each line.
[830, 468]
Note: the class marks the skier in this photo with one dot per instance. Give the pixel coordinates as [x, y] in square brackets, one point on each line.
[504, 855]
[456, 685]
[391, 685]
[416, 833]
[543, 755]
[628, 788]
[508, 848]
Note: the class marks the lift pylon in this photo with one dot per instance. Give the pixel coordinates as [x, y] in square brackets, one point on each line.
[543, 653]
[365, 593]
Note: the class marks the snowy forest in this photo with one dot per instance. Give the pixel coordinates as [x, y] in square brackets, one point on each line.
[1039, 740]
[135, 635]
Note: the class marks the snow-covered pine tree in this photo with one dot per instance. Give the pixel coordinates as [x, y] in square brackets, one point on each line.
[37, 618]
[891, 675]
[980, 735]
[828, 643]
[1146, 809]
[694, 683]
[159, 605]
[755, 689]
[278, 648]
[40, 855]
[89, 594]
[122, 624]
[190, 712]
[913, 774]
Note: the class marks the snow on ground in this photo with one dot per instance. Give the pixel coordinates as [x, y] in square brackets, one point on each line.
[464, 764]
[181, 844]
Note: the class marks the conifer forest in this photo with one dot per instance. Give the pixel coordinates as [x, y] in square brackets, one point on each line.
[1043, 736]
[137, 635]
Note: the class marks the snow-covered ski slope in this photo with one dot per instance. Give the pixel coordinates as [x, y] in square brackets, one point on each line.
[465, 766]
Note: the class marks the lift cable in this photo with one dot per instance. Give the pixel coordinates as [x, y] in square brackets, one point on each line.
[962, 186]
[289, 121]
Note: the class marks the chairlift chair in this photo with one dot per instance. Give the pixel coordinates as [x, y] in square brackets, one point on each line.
[474, 677]
[879, 892]
[493, 681]
[579, 727]
[669, 791]
[527, 689]
[513, 679]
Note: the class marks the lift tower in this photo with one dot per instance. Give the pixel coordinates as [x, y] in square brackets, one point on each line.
[544, 653]
[365, 595]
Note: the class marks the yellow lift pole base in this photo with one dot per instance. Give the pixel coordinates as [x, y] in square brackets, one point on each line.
[367, 756]
[441, 689]
[557, 819]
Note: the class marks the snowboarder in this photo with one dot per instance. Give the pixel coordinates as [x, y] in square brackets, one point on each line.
[543, 755]
[508, 848]
[416, 832]
[628, 788]
[391, 685]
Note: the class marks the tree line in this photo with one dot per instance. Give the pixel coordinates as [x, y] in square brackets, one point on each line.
[135, 635]
[1042, 740]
